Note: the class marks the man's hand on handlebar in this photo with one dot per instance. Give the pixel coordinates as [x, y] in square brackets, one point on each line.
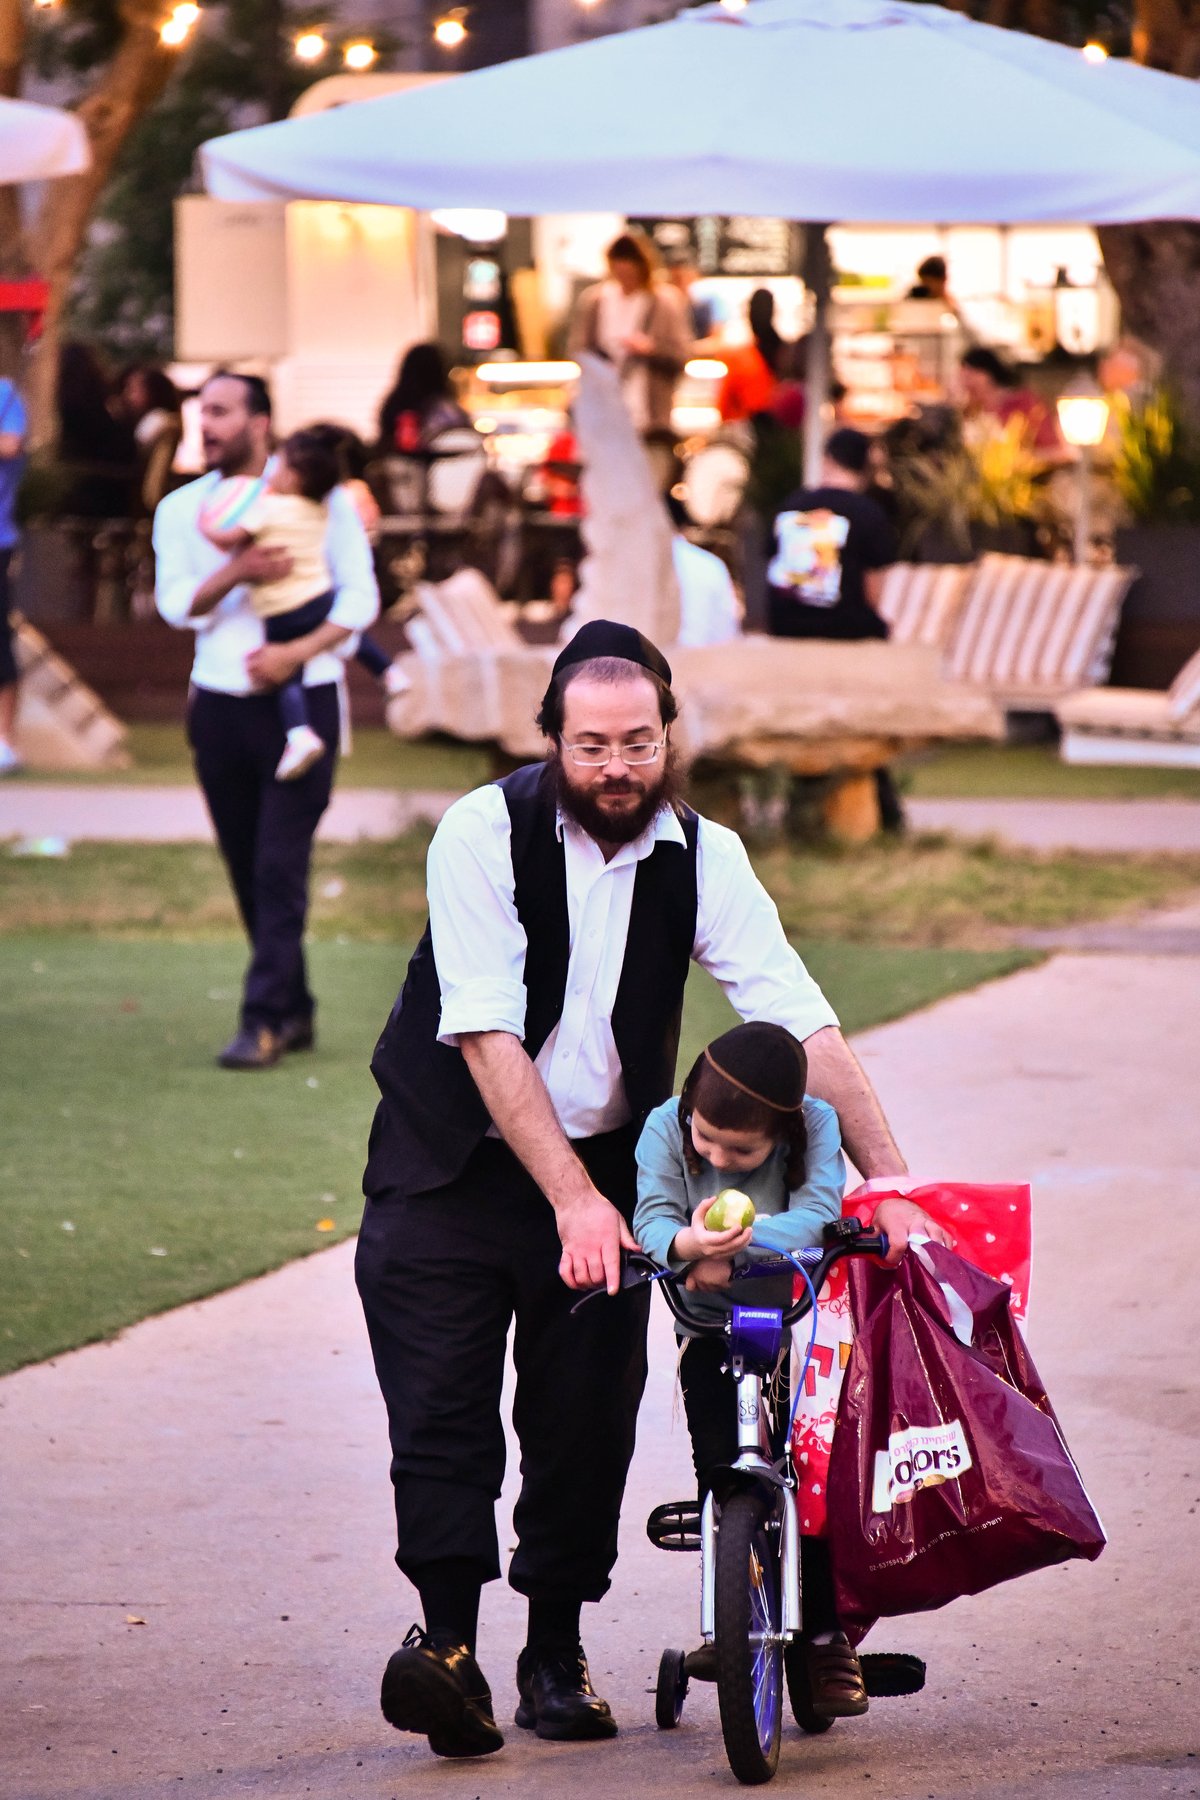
[593, 1235]
[711, 1251]
[898, 1218]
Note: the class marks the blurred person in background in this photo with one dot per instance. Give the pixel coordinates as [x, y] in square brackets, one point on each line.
[642, 328]
[420, 404]
[830, 547]
[13, 427]
[755, 370]
[149, 402]
[96, 448]
[682, 274]
[991, 394]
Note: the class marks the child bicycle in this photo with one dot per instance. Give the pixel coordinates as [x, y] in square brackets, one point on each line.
[751, 1614]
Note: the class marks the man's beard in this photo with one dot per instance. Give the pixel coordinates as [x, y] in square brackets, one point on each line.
[232, 457]
[581, 804]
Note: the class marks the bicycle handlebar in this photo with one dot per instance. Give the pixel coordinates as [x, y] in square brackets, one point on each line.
[845, 1237]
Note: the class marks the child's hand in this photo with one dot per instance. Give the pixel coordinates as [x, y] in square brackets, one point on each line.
[694, 1243]
[707, 1277]
[900, 1217]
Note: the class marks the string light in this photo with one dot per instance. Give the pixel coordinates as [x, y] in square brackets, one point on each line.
[734, 5]
[45, 5]
[174, 31]
[359, 55]
[1094, 52]
[310, 46]
[450, 31]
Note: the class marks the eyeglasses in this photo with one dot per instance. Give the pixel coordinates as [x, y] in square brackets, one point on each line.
[598, 756]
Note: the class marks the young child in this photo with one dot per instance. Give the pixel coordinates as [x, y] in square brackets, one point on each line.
[289, 511]
[743, 1120]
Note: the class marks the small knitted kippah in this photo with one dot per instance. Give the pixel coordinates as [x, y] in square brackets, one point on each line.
[764, 1061]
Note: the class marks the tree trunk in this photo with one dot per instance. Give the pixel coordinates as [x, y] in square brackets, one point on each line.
[1155, 269]
[128, 87]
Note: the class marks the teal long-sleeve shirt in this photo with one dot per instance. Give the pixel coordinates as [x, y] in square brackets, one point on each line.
[668, 1192]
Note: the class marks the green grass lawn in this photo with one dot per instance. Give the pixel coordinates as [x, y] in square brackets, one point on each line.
[1036, 772]
[976, 771]
[138, 1176]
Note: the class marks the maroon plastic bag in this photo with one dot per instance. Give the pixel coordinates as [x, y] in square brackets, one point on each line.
[948, 1472]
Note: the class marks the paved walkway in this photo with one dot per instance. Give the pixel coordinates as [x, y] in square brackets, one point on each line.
[177, 815]
[197, 1591]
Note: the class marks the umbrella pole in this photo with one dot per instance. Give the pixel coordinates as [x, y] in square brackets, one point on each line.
[818, 279]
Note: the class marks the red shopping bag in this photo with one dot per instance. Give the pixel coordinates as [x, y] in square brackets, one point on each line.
[990, 1223]
[948, 1472]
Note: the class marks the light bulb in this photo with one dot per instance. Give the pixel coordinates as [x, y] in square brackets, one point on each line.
[449, 32]
[310, 46]
[359, 55]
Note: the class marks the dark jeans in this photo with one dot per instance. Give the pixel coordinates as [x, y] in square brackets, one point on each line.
[265, 830]
[441, 1276]
[708, 1400]
[8, 657]
[285, 628]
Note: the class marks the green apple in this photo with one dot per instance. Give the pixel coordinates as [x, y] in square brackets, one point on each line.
[731, 1208]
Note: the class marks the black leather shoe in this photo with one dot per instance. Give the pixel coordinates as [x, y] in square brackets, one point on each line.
[254, 1047]
[298, 1033]
[439, 1690]
[557, 1697]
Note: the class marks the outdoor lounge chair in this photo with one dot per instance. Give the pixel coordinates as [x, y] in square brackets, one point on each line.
[62, 723]
[1135, 725]
[1029, 632]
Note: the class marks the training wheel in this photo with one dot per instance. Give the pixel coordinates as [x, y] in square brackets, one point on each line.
[672, 1689]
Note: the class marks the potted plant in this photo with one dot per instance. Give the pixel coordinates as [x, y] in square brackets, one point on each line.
[1156, 471]
[954, 498]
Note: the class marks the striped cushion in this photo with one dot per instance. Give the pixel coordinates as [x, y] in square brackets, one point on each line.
[1183, 695]
[920, 601]
[1040, 627]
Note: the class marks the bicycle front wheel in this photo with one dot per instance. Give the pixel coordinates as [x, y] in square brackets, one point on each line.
[749, 1639]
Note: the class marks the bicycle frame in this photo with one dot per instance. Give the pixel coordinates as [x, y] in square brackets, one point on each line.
[751, 1343]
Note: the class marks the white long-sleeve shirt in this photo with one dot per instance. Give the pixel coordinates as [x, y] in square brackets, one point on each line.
[479, 947]
[228, 634]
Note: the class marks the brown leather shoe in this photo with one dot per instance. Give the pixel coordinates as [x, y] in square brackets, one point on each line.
[254, 1047]
[835, 1678]
[439, 1691]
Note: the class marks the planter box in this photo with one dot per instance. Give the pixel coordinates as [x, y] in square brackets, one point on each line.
[1160, 620]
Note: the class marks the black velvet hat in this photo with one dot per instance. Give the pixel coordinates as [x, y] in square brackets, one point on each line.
[603, 637]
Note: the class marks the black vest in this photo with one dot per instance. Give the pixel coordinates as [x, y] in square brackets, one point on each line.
[431, 1116]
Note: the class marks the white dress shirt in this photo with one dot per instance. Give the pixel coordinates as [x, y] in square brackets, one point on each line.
[228, 634]
[479, 947]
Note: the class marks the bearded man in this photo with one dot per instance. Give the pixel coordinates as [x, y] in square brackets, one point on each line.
[537, 1027]
[264, 827]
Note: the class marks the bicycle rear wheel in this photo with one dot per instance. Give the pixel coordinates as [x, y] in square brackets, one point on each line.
[749, 1644]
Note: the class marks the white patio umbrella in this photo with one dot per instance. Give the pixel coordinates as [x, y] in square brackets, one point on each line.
[37, 142]
[867, 110]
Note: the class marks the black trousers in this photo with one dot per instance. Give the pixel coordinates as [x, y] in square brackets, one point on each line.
[441, 1275]
[8, 658]
[708, 1400]
[265, 830]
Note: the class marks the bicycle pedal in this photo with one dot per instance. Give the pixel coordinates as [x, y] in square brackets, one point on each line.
[890, 1673]
[675, 1525]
